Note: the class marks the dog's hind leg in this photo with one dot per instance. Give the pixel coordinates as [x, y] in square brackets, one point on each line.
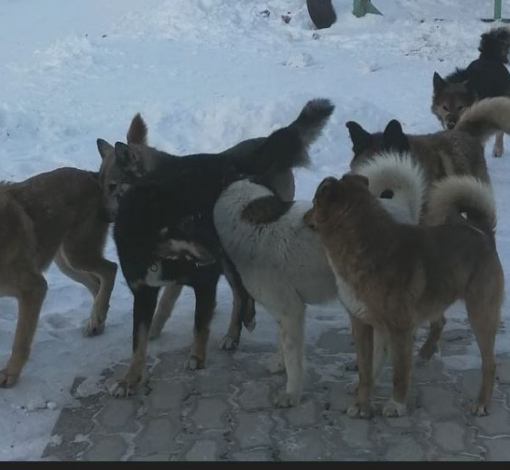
[83, 250]
[91, 282]
[30, 294]
[277, 364]
[483, 303]
[243, 309]
[498, 148]
[145, 299]
[205, 297]
[429, 347]
[364, 344]
[292, 342]
[165, 307]
[401, 343]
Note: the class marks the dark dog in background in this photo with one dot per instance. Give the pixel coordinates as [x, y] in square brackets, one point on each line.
[164, 229]
[485, 77]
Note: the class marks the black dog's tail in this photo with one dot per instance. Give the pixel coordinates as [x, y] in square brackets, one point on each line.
[287, 147]
[495, 44]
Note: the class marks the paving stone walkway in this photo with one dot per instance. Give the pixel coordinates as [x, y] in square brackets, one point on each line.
[225, 412]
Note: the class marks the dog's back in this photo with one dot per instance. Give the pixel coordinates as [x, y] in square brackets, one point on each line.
[270, 244]
[51, 204]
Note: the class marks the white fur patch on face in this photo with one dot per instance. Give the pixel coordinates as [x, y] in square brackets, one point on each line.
[181, 246]
[184, 250]
[153, 277]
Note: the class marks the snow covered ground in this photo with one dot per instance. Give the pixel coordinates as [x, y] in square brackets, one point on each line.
[205, 74]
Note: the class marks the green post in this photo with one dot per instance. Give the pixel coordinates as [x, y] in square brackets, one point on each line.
[497, 9]
[362, 7]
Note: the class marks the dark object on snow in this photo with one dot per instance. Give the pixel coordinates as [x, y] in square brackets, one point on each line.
[321, 12]
[265, 13]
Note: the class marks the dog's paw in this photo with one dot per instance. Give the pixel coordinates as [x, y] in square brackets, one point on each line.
[251, 325]
[276, 365]
[121, 388]
[195, 363]
[93, 328]
[357, 411]
[392, 409]
[229, 343]
[497, 152]
[286, 400]
[7, 380]
[478, 409]
[425, 354]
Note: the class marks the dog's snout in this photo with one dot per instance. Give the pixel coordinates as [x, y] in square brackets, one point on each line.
[450, 125]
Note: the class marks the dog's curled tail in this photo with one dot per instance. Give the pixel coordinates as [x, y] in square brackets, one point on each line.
[137, 132]
[287, 147]
[486, 117]
[495, 44]
[397, 176]
[462, 198]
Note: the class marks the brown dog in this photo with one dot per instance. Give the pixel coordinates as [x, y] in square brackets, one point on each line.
[392, 277]
[57, 216]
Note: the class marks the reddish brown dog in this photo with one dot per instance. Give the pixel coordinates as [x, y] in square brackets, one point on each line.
[391, 277]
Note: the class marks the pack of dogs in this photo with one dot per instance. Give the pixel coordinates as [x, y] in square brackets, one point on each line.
[408, 231]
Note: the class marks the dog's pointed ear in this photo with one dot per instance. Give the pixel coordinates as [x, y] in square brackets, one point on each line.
[438, 82]
[356, 178]
[128, 160]
[328, 190]
[104, 148]
[137, 132]
[361, 139]
[394, 137]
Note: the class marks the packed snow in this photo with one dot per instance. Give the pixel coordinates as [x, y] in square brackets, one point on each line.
[205, 74]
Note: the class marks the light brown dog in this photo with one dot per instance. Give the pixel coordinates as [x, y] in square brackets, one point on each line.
[391, 277]
[57, 216]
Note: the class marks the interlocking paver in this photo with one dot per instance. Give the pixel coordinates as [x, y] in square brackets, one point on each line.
[226, 412]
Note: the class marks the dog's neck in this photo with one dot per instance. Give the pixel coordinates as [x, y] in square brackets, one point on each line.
[360, 236]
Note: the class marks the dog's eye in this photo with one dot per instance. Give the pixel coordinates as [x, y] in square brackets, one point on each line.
[460, 108]
[446, 108]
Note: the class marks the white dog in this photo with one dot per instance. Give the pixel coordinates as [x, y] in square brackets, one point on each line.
[281, 260]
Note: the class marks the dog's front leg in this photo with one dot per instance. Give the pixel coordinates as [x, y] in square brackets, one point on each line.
[364, 344]
[145, 299]
[165, 306]
[30, 301]
[205, 302]
[243, 310]
[401, 343]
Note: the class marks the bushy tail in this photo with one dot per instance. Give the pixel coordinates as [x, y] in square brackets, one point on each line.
[137, 133]
[287, 147]
[486, 117]
[462, 197]
[495, 44]
[397, 177]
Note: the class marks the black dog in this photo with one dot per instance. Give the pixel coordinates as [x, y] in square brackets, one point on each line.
[164, 229]
[485, 77]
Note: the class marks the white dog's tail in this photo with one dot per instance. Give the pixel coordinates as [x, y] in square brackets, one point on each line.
[462, 196]
[398, 178]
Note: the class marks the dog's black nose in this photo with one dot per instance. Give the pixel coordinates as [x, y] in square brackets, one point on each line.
[387, 194]
[450, 125]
